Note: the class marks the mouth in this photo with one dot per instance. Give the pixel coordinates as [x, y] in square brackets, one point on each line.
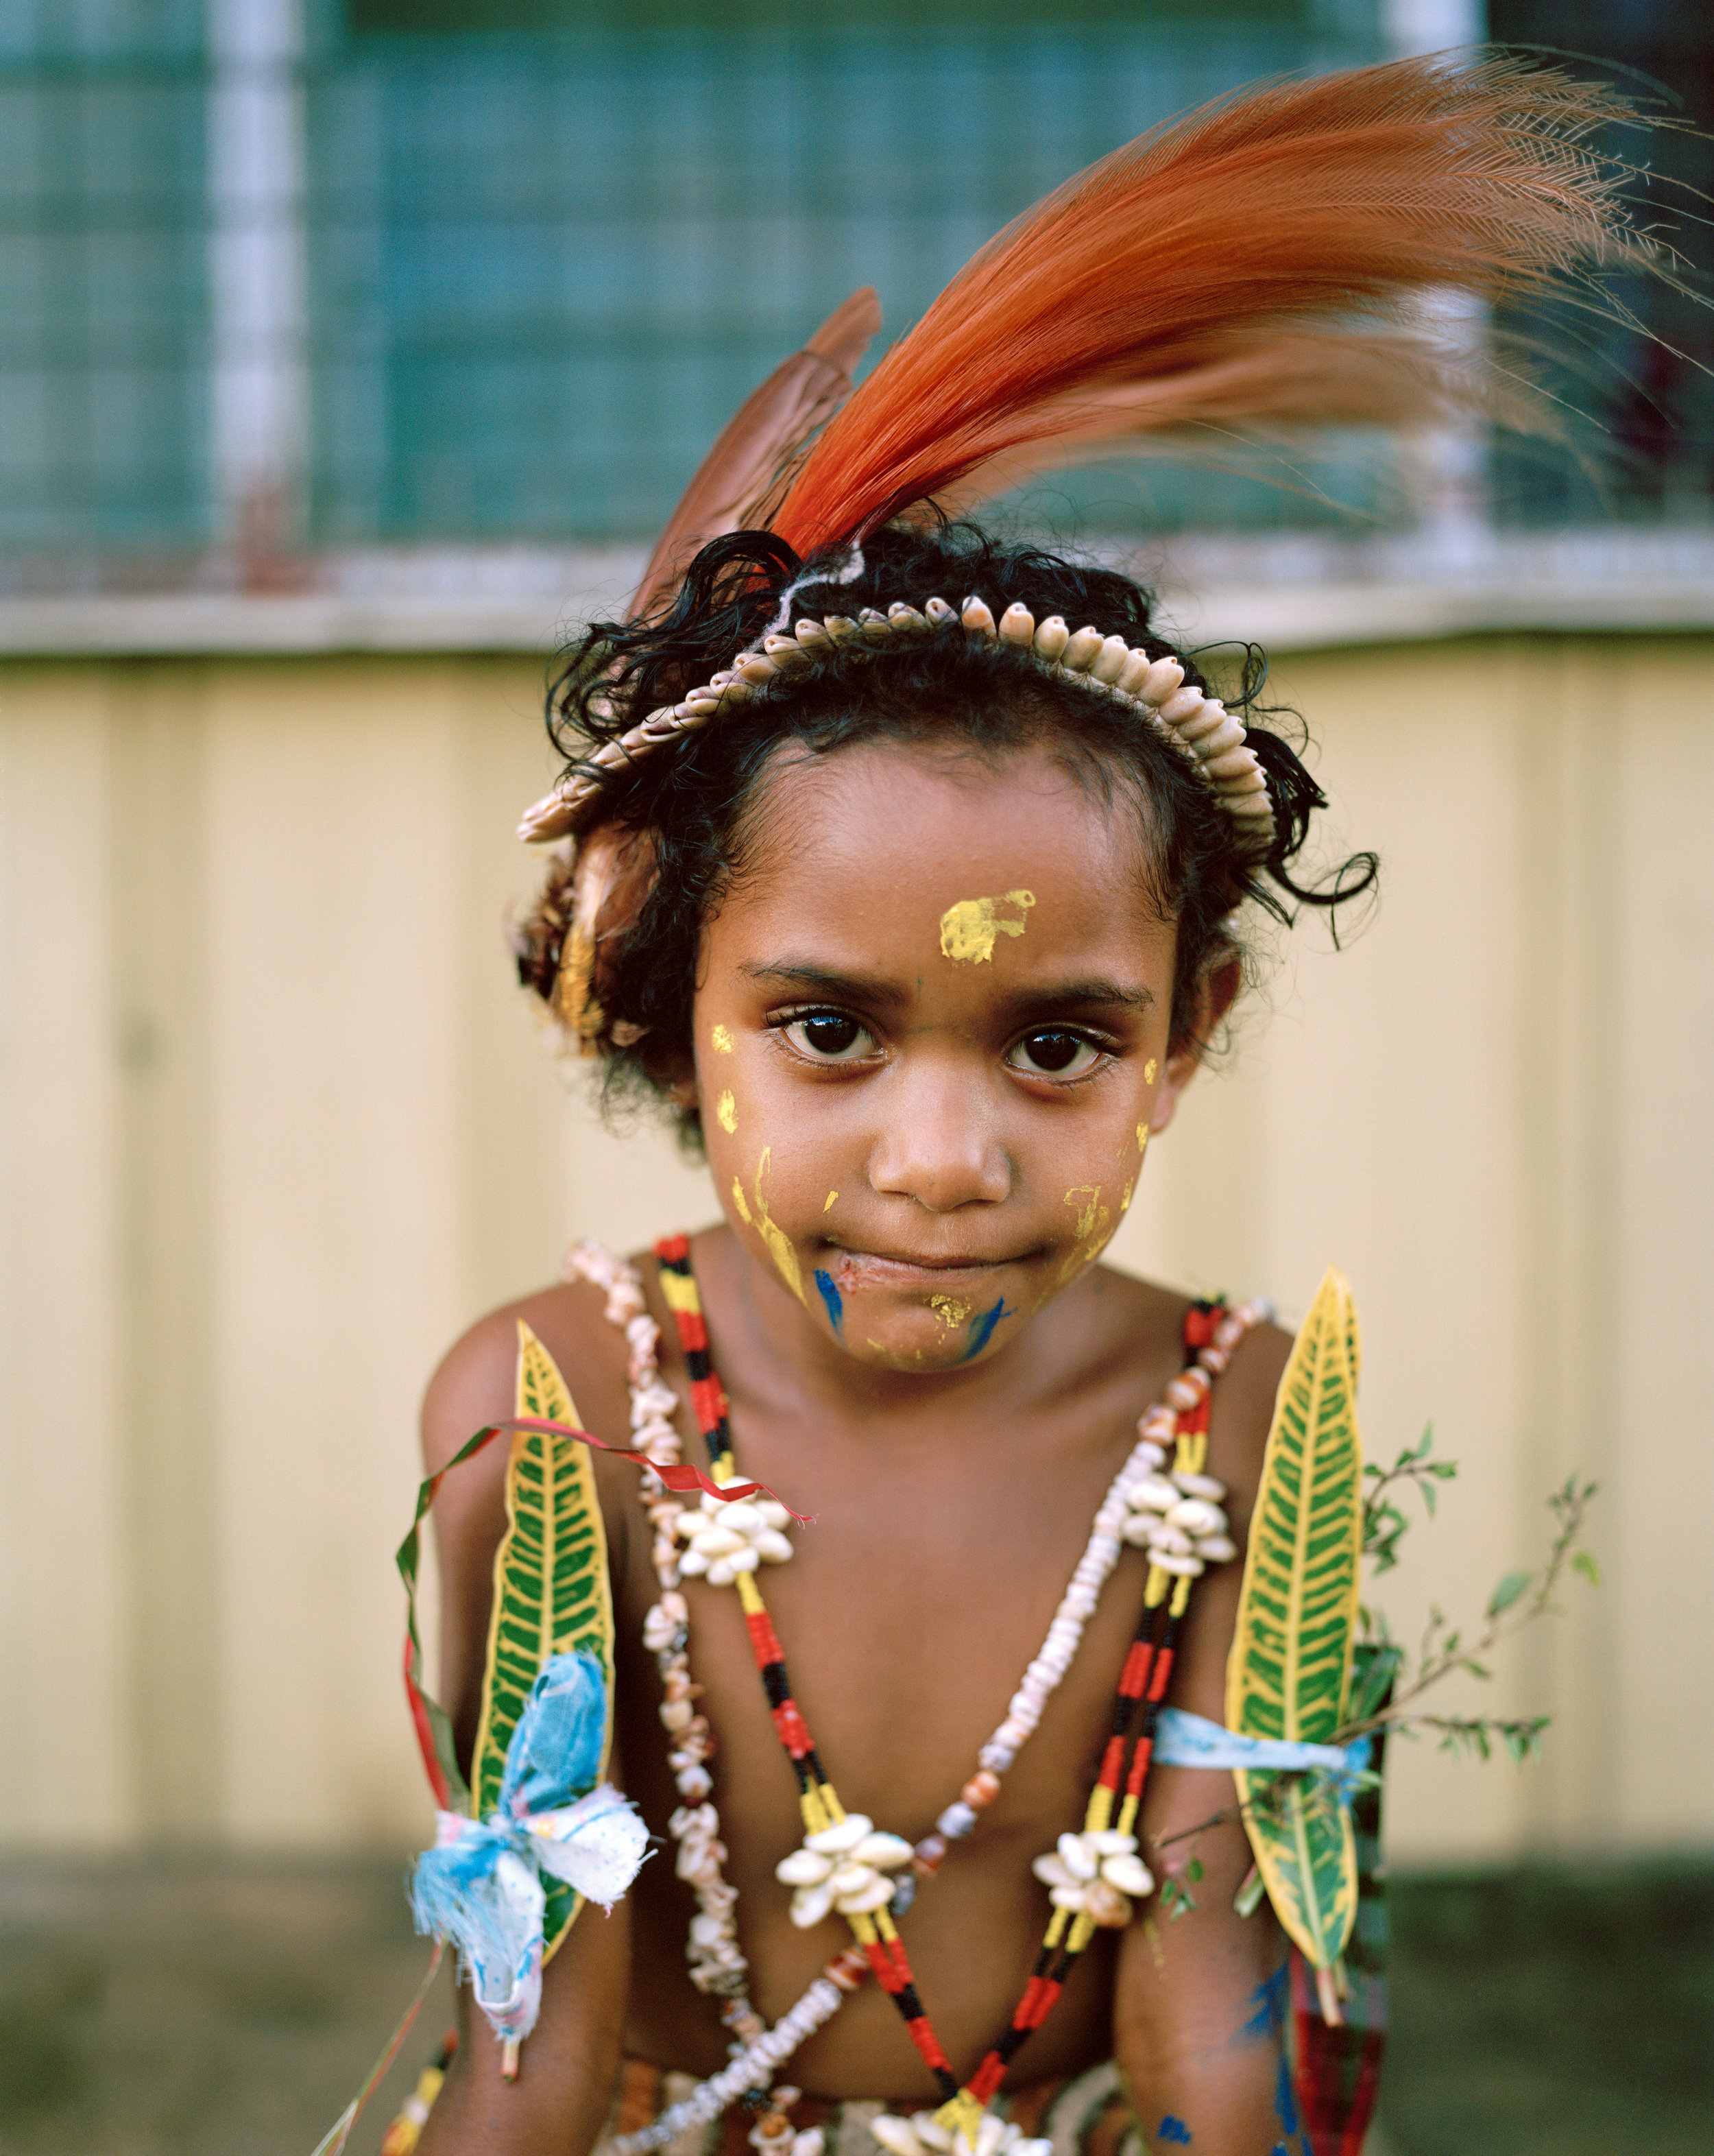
[854, 1269]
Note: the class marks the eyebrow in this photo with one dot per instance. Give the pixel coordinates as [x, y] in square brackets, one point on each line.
[1082, 993]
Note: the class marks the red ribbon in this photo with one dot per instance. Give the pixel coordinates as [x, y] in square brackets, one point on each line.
[680, 1477]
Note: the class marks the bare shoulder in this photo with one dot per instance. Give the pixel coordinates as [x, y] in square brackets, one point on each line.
[1242, 1412]
[476, 1380]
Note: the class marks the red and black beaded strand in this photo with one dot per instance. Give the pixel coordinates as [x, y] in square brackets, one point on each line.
[1143, 1680]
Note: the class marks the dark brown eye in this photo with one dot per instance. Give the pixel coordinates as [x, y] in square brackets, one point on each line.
[830, 1036]
[1052, 1054]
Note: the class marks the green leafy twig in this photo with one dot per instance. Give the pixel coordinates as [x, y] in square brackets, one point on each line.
[1518, 1599]
[1383, 1525]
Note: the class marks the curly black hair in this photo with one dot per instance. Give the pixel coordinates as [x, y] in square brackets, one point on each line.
[691, 803]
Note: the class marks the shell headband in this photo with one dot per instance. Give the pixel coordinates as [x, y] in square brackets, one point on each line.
[1199, 727]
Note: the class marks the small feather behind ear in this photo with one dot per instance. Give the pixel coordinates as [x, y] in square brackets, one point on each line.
[763, 436]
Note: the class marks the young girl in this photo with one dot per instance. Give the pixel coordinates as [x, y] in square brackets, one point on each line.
[909, 868]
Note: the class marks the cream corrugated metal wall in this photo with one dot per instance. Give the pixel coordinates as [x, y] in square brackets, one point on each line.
[276, 1126]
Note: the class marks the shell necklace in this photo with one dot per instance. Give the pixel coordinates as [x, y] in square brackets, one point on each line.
[844, 1864]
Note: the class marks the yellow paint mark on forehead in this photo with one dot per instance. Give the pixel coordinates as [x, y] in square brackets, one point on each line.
[950, 1310]
[968, 929]
[723, 1042]
[829, 1207]
[727, 1112]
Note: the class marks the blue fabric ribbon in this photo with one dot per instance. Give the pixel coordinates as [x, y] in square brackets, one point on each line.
[484, 1883]
[1191, 1740]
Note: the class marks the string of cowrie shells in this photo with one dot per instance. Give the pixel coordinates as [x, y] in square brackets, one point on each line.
[1199, 726]
[1176, 1518]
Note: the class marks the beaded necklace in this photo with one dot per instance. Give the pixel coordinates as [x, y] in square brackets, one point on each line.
[843, 1863]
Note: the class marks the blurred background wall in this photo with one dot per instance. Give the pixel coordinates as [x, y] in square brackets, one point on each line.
[347, 356]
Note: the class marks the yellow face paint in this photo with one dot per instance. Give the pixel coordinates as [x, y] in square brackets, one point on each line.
[829, 1207]
[723, 1042]
[738, 1199]
[1094, 1225]
[726, 1113]
[1149, 1070]
[968, 929]
[779, 1244]
[949, 1310]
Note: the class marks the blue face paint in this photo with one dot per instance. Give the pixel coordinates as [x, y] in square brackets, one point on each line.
[831, 1296]
[1173, 2130]
[1286, 2108]
[981, 1330]
[1268, 2001]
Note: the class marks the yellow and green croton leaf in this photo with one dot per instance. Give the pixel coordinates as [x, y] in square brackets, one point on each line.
[551, 1590]
[1289, 1672]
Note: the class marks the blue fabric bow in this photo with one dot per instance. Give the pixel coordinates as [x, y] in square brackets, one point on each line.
[1191, 1740]
[484, 1884]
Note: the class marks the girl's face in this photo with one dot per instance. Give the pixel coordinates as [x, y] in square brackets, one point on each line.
[931, 1032]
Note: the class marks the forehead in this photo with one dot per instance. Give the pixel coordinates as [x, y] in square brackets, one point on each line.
[886, 838]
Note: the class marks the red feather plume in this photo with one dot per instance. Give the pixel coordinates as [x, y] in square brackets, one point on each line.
[1260, 265]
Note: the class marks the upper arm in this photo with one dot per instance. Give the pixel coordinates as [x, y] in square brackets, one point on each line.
[572, 2057]
[475, 1385]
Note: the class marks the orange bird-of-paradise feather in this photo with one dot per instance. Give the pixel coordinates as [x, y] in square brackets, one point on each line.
[1259, 264]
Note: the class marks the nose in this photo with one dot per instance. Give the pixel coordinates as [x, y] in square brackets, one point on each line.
[940, 1143]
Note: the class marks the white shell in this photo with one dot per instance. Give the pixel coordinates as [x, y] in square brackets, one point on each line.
[712, 1540]
[741, 1560]
[886, 1852]
[929, 2131]
[1184, 1567]
[810, 1904]
[844, 1834]
[1017, 624]
[1129, 1874]
[1163, 678]
[1178, 707]
[1216, 1549]
[1201, 1485]
[874, 1896]
[772, 1547]
[1197, 1516]
[1173, 1541]
[1139, 1528]
[1154, 1493]
[1111, 661]
[895, 2136]
[740, 1518]
[1077, 1859]
[804, 1867]
[693, 1564]
[772, 1513]
[1068, 1897]
[1108, 1841]
[1052, 1872]
[719, 1573]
